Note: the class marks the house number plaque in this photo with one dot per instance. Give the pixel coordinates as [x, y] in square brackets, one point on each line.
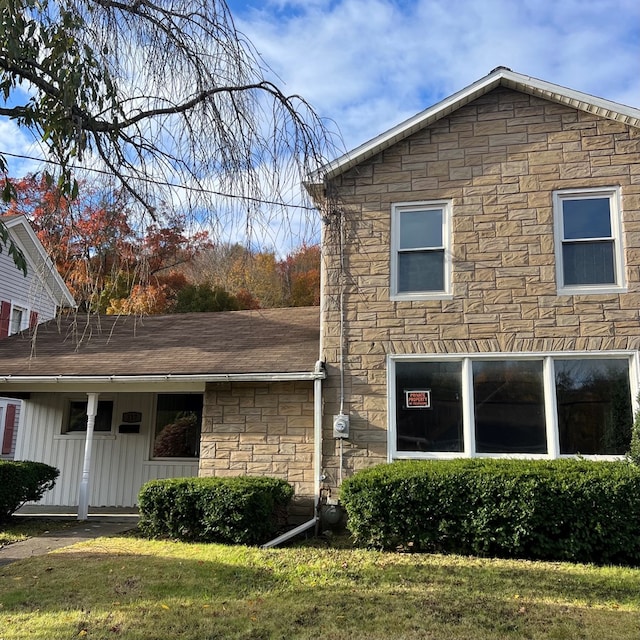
[131, 417]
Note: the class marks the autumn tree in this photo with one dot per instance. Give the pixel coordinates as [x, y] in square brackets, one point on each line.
[108, 265]
[166, 96]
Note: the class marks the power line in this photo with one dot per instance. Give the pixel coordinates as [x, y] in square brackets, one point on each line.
[161, 183]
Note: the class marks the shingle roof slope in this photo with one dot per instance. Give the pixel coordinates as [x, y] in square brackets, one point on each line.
[234, 342]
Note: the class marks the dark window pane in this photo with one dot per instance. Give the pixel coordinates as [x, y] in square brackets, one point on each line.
[78, 416]
[178, 421]
[421, 229]
[440, 427]
[421, 271]
[594, 406]
[588, 263]
[586, 218]
[509, 407]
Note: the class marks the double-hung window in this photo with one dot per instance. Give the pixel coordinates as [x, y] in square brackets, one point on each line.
[421, 257]
[589, 254]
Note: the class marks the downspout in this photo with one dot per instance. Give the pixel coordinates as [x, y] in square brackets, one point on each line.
[83, 501]
[317, 420]
[317, 462]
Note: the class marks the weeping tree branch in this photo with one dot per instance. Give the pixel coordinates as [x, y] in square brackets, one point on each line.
[157, 92]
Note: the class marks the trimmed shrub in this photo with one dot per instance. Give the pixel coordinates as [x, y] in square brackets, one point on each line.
[23, 481]
[241, 510]
[572, 510]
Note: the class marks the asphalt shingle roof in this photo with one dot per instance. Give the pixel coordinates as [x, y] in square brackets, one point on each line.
[234, 342]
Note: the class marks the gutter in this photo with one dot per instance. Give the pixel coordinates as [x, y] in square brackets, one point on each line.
[170, 377]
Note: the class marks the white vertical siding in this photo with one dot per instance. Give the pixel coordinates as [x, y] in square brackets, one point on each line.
[120, 462]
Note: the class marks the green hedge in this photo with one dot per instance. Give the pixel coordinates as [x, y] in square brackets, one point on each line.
[556, 510]
[242, 510]
[23, 481]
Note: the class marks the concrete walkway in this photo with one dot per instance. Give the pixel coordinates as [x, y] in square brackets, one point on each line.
[95, 527]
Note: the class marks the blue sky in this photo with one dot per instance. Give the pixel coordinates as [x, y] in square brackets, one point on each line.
[369, 64]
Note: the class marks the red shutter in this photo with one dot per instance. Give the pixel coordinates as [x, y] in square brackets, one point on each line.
[5, 314]
[33, 319]
[9, 426]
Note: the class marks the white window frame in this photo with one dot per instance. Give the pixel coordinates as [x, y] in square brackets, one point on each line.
[396, 212]
[615, 213]
[82, 434]
[153, 434]
[24, 320]
[468, 417]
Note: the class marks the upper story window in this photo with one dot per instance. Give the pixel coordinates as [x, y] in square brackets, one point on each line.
[421, 257]
[18, 320]
[589, 254]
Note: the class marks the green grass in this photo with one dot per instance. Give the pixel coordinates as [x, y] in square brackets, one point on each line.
[143, 590]
[19, 528]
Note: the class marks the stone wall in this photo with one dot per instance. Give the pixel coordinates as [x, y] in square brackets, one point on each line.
[263, 429]
[499, 159]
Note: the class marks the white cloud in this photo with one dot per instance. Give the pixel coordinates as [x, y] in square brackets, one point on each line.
[368, 64]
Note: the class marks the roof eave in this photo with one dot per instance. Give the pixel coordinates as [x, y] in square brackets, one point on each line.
[28, 241]
[498, 77]
[317, 374]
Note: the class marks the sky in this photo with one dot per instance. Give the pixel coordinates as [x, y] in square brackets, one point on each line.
[367, 65]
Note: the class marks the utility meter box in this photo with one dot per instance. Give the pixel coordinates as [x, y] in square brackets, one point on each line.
[341, 426]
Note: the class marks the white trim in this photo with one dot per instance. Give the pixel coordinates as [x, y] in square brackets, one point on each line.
[170, 377]
[500, 76]
[615, 217]
[397, 209]
[24, 318]
[468, 432]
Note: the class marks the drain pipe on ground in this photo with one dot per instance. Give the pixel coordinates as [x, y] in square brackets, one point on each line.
[317, 461]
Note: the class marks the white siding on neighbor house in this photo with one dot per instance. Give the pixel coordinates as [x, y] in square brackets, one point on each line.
[27, 292]
[120, 462]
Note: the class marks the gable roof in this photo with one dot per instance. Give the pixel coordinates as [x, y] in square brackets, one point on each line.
[234, 345]
[39, 262]
[501, 76]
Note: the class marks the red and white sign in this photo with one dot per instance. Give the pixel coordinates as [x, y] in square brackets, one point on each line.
[417, 398]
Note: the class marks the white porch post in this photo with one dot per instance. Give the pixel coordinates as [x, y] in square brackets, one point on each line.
[83, 501]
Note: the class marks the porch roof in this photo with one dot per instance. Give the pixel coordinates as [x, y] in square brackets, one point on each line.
[277, 343]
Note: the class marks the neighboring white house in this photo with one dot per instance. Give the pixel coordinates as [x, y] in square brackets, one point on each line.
[25, 301]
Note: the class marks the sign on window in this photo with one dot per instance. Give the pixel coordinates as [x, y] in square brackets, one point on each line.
[417, 398]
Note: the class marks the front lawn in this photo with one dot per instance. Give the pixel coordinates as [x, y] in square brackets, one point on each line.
[141, 590]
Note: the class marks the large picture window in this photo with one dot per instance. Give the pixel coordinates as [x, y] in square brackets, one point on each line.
[420, 238]
[178, 424]
[588, 244]
[540, 406]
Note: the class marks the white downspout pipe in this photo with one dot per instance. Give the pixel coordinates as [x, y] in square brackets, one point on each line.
[83, 501]
[317, 463]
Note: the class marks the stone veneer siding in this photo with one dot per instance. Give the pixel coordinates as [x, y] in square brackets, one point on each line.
[499, 159]
[262, 429]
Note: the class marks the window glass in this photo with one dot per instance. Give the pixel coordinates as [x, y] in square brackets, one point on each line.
[509, 407]
[594, 406]
[78, 416]
[421, 229]
[439, 427]
[588, 263]
[17, 315]
[421, 271]
[586, 218]
[177, 428]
